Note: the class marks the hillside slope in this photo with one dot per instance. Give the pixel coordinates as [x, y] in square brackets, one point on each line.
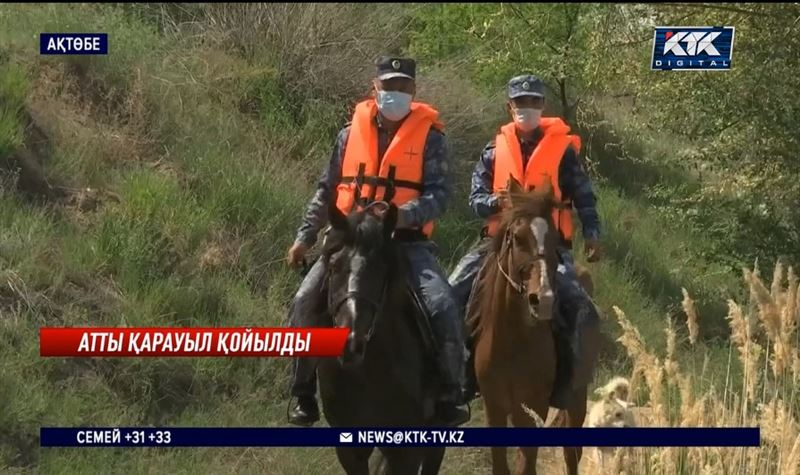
[162, 185]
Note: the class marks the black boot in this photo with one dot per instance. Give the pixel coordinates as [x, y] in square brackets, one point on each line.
[452, 394]
[305, 413]
[562, 389]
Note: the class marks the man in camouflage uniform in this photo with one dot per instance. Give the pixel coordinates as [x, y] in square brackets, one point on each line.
[394, 87]
[526, 101]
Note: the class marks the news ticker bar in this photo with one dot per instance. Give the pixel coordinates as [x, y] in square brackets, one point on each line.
[183, 342]
[332, 437]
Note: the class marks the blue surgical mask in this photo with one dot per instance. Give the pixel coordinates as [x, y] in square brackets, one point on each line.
[394, 105]
[527, 119]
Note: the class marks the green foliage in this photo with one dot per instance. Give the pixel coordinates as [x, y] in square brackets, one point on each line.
[561, 43]
[744, 124]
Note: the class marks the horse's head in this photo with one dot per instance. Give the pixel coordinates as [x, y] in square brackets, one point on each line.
[360, 271]
[525, 246]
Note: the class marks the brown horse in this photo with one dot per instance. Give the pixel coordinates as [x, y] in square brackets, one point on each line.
[511, 311]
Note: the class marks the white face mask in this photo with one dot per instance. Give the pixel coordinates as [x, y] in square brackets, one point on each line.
[394, 105]
[527, 119]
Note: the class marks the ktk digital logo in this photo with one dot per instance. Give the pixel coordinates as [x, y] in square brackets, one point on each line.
[692, 48]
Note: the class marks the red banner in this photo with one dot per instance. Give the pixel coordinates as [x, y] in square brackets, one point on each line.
[232, 342]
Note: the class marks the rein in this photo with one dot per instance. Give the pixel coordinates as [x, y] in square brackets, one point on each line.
[354, 295]
[518, 286]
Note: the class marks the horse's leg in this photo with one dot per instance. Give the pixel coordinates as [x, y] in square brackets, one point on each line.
[526, 456]
[432, 462]
[576, 414]
[354, 460]
[496, 417]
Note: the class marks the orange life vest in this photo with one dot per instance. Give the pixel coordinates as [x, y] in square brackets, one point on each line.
[544, 161]
[401, 165]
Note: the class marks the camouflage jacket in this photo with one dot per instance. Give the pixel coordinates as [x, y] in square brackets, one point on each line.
[429, 206]
[572, 179]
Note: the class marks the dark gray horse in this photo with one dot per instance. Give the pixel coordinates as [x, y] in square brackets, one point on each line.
[384, 379]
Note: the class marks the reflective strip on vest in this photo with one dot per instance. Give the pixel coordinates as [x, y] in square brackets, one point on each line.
[543, 162]
[401, 165]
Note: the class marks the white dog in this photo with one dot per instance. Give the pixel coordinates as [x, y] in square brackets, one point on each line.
[612, 410]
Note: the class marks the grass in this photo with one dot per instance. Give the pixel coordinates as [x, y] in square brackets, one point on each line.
[13, 89]
[200, 183]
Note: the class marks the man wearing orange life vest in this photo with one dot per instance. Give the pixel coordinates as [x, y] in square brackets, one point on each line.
[527, 147]
[390, 138]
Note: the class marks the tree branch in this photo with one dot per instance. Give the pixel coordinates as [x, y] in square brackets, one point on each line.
[527, 22]
[571, 19]
[562, 87]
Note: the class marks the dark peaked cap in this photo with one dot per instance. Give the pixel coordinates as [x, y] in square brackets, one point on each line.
[525, 85]
[393, 67]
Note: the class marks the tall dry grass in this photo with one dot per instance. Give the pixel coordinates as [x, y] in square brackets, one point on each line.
[320, 50]
[764, 350]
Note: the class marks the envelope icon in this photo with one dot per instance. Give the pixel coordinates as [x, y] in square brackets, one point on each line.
[345, 437]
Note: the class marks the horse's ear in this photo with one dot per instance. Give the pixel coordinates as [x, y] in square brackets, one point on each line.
[390, 220]
[337, 218]
[546, 189]
[513, 186]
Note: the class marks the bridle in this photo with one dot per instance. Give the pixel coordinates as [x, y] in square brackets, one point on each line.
[518, 286]
[376, 306]
[353, 294]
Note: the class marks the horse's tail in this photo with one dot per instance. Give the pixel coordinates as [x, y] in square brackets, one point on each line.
[561, 419]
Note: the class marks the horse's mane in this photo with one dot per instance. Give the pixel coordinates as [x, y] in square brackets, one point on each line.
[368, 232]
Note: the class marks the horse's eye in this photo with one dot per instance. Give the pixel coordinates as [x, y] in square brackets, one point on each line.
[618, 414]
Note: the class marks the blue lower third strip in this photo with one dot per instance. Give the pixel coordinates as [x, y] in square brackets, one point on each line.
[466, 437]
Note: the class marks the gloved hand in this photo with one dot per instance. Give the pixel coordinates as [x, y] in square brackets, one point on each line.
[593, 249]
[503, 200]
[296, 254]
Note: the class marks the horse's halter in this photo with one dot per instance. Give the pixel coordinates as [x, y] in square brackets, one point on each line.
[352, 295]
[539, 229]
